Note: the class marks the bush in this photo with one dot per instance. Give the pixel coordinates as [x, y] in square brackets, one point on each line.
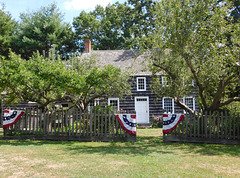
[157, 121]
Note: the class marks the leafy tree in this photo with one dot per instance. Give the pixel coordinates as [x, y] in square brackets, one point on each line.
[142, 22]
[38, 80]
[96, 83]
[118, 26]
[235, 10]
[192, 43]
[7, 28]
[41, 30]
[46, 81]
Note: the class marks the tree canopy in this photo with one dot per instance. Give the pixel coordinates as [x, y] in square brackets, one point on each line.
[118, 26]
[47, 80]
[192, 42]
[40, 30]
[7, 28]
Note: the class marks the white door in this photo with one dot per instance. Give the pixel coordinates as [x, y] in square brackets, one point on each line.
[142, 109]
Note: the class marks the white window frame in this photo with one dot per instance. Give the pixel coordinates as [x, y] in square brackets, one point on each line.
[172, 103]
[111, 99]
[193, 101]
[96, 103]
[163, 81]
[145, 85]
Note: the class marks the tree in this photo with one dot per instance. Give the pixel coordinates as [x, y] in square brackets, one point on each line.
[41, 30]
[38, 80]
[118, 26]
[7, 28]
[192, 43]
[235, 10]
[95, 82]
[46, 80]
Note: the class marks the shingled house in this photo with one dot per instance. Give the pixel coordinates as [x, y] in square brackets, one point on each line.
[143, 101]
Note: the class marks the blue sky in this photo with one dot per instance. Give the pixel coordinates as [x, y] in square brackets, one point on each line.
[70, 8]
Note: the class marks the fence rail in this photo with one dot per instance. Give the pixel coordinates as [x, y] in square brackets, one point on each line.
[68, 125]
[211, 127]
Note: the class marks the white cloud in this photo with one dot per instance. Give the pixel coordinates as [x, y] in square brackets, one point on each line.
[85, 4]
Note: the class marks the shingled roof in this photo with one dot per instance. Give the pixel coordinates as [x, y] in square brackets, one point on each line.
[128, 60]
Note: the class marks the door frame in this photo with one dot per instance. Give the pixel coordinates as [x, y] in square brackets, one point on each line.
[145, 97]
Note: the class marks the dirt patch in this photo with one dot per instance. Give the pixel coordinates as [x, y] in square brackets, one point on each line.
[230, 170]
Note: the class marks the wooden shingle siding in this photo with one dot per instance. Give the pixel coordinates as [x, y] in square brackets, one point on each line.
[155, 103]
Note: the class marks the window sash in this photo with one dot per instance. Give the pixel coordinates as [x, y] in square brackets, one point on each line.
[141, 83]
[190, 102]
[168, 105]
[114, 102]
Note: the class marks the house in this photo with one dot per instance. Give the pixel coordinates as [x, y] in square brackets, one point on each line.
[143, 101]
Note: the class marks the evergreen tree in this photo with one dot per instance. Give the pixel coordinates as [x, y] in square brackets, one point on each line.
[7, 28]
[41, 30]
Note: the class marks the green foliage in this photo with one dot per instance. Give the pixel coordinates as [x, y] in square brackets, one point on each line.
[118, 26]
[46, 80]
[41, 30]
[157, 121]
[7, 28]
[192, 42]
[38, 79]
[94, 82]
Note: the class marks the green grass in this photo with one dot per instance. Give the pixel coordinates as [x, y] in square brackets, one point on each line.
[148, 157]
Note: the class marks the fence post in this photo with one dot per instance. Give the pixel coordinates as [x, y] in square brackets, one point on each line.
[234, 127]
[222, 124]
[226, 125]
[238, 120]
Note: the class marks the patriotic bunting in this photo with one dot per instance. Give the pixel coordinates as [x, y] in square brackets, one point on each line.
[11, 117]
[128, 122]
[170, 121]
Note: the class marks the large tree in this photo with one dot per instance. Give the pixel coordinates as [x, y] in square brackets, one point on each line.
[46, 80]
[7, 28]
[192, 43]
[41, 30]
[118, 26]
[96, 82]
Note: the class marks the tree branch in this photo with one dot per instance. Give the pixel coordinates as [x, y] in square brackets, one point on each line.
[200, 86]
[229, 101]
[182, 105]
[166, 70]
[35, 91]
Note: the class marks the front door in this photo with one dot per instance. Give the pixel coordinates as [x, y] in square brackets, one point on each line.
[142, 110]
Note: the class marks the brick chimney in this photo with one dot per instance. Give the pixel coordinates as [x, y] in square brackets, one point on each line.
[87, 44]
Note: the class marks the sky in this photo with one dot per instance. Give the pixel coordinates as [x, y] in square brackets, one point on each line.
[70, 8]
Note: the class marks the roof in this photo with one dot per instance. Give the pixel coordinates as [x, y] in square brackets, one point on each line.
[128, 60]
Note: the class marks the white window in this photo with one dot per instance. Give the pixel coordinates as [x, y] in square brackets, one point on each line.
[168, 105]
[190, 102]
[92, 104]
[164, 81]
[141, 83]
[114, 102]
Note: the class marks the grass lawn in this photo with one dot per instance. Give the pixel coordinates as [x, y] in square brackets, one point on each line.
[148, 157]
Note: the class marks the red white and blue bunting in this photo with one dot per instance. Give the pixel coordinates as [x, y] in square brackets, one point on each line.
[11, 117]
[170, 121]
[128, 122]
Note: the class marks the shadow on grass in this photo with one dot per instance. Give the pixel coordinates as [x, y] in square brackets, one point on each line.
[143, 146]
[149, 145]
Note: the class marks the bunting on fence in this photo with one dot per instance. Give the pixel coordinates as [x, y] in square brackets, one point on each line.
[11, 117]
[170, 121]
[128, 122]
